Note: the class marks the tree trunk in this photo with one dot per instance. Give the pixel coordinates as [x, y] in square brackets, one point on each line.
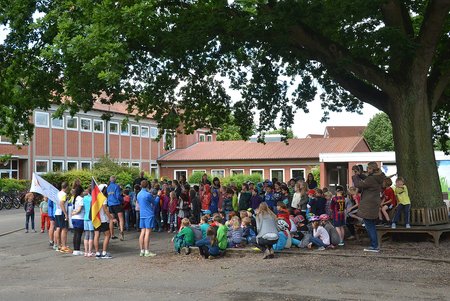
[416, 162]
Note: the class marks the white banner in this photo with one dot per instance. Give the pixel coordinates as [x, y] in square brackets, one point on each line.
[41, 186]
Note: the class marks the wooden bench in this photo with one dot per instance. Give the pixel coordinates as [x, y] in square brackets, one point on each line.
[435, 231]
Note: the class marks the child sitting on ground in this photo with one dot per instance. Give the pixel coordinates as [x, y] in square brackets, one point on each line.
[320, 236]
[222, 231]
[185, 237]
[209, 247]
[235, 235]
[204, 225]
[283, 213]
[248, 233]
[404, 203]
[285, 241]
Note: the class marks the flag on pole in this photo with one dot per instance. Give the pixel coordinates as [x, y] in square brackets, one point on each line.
[98, 198]
[41, 186]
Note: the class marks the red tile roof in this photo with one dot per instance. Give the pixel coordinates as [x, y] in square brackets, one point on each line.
[243, 150]
[344, 131]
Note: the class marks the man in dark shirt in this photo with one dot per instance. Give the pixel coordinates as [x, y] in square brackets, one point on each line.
[140, 179]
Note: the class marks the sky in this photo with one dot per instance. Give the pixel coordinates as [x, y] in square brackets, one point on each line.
[306, 123]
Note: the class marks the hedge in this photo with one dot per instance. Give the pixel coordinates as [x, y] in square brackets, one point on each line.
[237, 180]
[7, 185]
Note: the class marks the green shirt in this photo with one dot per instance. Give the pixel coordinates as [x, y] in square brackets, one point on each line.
[44, 206]
[188, 235]
[222, 237]
[402, 195]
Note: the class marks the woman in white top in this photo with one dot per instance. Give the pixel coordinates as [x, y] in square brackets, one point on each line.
[78, 223]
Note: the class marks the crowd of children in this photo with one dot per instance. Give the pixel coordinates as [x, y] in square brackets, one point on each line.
[268, 216]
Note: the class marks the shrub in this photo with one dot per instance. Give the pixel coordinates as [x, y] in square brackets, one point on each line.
[316, 173]
[238, 180]
[196, 177]
[7, 185]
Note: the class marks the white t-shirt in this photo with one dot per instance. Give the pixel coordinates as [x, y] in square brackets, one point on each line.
[78, 204]
[103, 217]
[322, 234]
[62, 196]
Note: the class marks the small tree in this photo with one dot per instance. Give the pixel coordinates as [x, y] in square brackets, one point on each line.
[379, 133]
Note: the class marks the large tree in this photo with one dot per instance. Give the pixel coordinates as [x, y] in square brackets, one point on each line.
[169, 58]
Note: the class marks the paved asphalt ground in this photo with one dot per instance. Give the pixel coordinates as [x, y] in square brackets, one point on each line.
[30, 270]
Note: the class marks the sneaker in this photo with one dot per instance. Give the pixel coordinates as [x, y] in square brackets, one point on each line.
[106, 256]
[351, 237]
[51, 243]
[26, 231]
[149, 254]
[86, 254]
[55, 247]
[393, 226]
[170, 231]
[77, 253]
[34, 231]
[363, 225]
[121, 236]
[371, 249]
[141, 253]
[256, 249]
[387, 225]
[210, 257]
[114, 237]
[341, 244]
[65, 250]
[91, 254]
[186, 250]
[98, 255]
[271, 253]
[408, 226]
[321, 249]
[42, 231]
[266, 254]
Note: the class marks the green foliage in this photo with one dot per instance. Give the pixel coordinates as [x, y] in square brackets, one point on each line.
[196, 178]
[289, 134]
[14, 185]
[316, 173]
[444, 184]
[238, 180]
[378, 133]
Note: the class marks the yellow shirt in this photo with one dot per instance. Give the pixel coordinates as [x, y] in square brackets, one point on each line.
[402, 195]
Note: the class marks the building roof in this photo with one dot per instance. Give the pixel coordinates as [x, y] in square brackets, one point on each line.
[243, 150]
[314, 136]
[343, 131]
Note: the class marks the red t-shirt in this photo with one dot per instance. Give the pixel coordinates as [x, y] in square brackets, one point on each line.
[389, 194]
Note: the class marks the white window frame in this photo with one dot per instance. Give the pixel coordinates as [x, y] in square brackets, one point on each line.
[127, 133]
[103, 126]
[41, 125]
[200, 138]
[58, 161]
[4, 142]
[85, 162]
[199, 170]
[151, 134]
[35, 166]
[213, 175]
[118, 128]
[148, 131]
[284, 174]
[90, 124]
[258, 169]
[138, 130]
[67, 120]
[124, 163]
[70, 161]
[209, 138]
[179, 170]
[136, 164]
[56, 126]
[237, 169]
[293, 169]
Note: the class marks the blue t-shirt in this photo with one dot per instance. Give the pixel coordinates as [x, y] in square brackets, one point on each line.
[51, 208]
[270, 201]
[114, 194]
[87, 207]
[204, 227]
[147, 203]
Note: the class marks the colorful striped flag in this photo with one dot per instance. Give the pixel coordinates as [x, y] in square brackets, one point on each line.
[98, 198]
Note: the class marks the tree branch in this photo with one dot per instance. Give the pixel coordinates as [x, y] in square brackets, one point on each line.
[332, 54]
[438, 81]
[395, 14]
[435, 16]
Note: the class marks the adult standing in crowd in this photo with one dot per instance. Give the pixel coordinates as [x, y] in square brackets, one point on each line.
[371, 187]
[115, 206]
[312, 184]
[358, 175]
[266, 227]
[147, 203]
[141, 178]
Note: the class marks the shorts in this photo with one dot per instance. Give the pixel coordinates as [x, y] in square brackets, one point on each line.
[103, 227]
[78, 224]
[61, 222]
[52, 218]
[339, 223]
[115, 209]
[146, 223]
[88, 226]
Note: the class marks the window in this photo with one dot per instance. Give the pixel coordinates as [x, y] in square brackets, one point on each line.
[144, 131]
[153, 132]
[126, 164]
[5, 140]
[86, 165]
[113, 128]
[209, 138]
[169, 139]
[134, 130]
[201, 137]
[9, 169]
[199, 170]
[297, 173]
[124, 129]
[236, 172]
[41, 119]
[178, 173]
[58, 123]
[98, 126]
[72, 123]
[257, 171]
[72, 165]
[57, 166]
[154, 169]
[41, 166]
[277, 173]
[220, 173]
[136, 164]
[85, 124]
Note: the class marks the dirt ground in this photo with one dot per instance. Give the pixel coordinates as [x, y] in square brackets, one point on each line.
[30, 270]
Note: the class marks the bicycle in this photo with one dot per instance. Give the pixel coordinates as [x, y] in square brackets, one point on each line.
[16, 199]
[6, 200]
